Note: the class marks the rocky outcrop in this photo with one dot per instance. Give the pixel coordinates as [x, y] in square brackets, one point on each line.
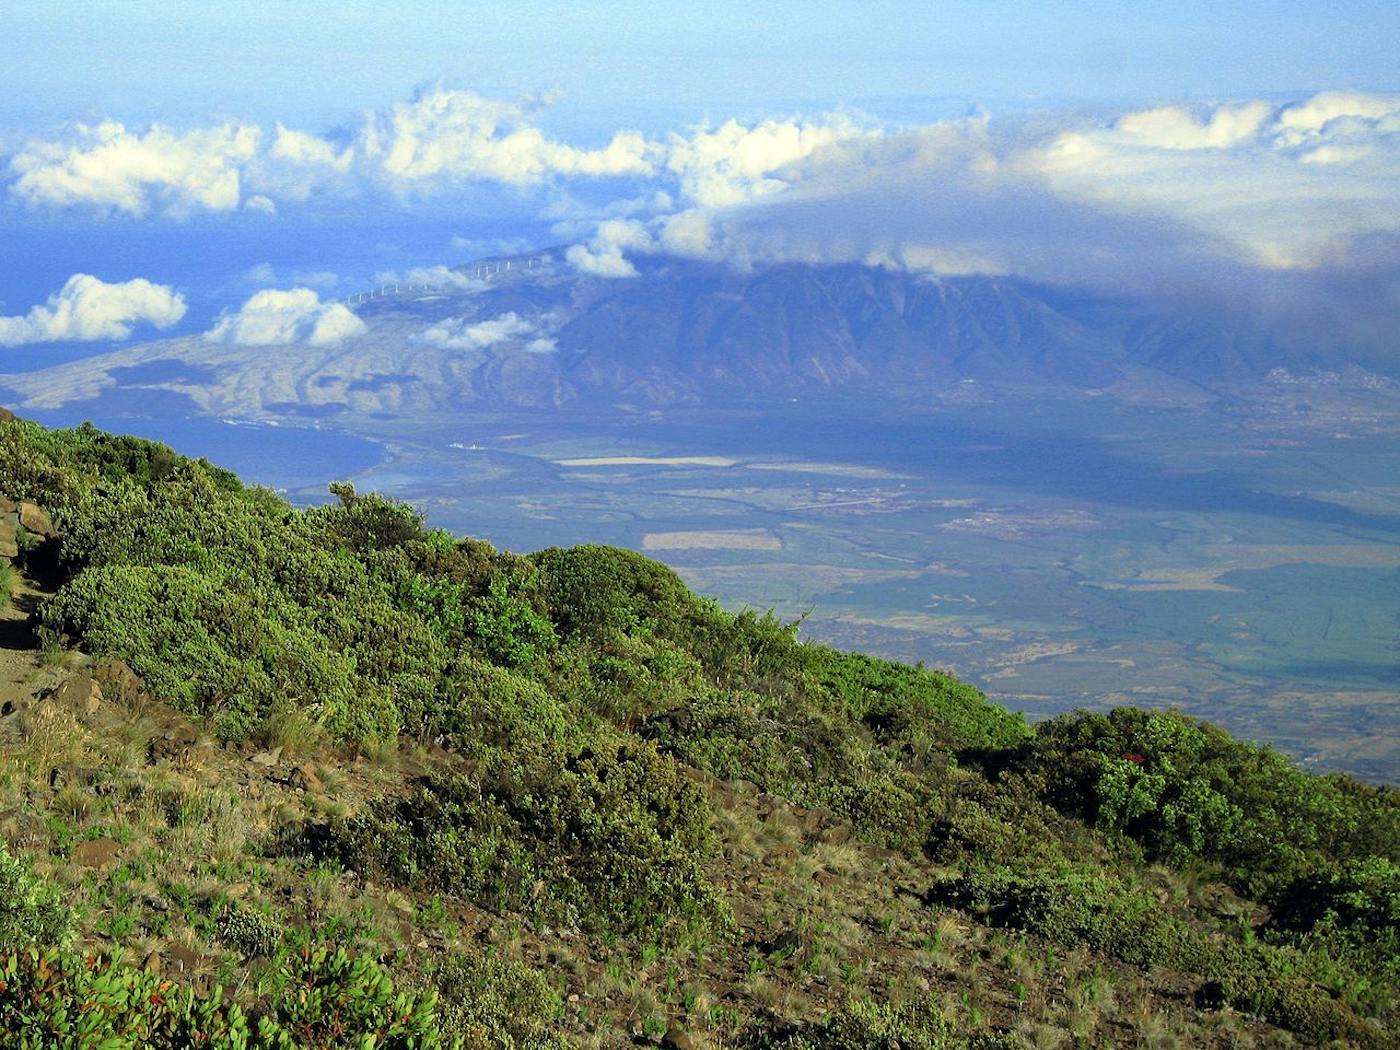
[19, 517]
[174, 744]
[119, 682]
[36, 519]
[80, 693]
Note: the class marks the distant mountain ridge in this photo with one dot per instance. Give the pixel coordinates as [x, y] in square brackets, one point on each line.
[530, 332]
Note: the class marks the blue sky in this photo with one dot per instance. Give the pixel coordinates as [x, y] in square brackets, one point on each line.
[189, 157]
[316, 62]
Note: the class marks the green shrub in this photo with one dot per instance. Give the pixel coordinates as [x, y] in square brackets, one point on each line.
[909, 707]
[1189, 792]
[325, 998]
[482, 705]
[496, 1004]
[804, 754]
[507, 627]
[603, 835]
[592, 591]
[30, 909]
[1094, 908]
[52, 999]
[248, 932]
[864, 1025]
[1352, 913]
[1363, 894]
[321, 1000]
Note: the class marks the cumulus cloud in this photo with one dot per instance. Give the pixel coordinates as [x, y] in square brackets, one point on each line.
[439, 140]
[1158, 194]
[274, 317]
[1172, 127]
[112, 169]
[310, 151]
[86, 309]
[465, 334]
[603, 255]
[731, 164]
[1172, 193]
[444, 134]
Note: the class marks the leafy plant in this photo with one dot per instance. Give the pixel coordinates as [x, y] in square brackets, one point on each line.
[30, 909]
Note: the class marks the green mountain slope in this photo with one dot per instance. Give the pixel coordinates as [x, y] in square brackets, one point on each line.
[327, 777]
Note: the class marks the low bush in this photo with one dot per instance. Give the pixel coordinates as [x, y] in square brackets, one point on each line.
[602, 835]
[1191, 793]
[1094, 908]
[864, 1025]
[322, 1001]
[495, 1004]
[30, 909]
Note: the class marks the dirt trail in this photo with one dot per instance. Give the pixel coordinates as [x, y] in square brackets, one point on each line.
[21, 671]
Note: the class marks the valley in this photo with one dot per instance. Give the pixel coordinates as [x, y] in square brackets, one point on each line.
[1224, 561]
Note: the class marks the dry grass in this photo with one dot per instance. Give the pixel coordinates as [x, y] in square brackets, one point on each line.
[52, 737]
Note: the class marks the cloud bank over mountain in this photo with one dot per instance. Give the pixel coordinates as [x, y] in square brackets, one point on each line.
[87, 309]
[1295, 201]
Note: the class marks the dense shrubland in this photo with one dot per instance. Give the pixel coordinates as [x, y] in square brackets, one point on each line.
[583, 697]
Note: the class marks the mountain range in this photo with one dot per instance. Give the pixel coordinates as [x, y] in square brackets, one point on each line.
[532, 332]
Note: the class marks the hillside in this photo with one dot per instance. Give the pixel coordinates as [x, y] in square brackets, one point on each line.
[540, 335]
[327, 777]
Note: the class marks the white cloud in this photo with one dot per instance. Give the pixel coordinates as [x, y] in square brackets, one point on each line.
[731, 164]
[447, 135]
[441, 139]
[1287, 187]
[274, 317]
[115, 170]
[690, 234]
[433, 277]
[1313, 115]
[1308, 184]
[463, 334]
[602, 256]
[1171, 193]
[87, 309]
[1174, 127]
[300, 149]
